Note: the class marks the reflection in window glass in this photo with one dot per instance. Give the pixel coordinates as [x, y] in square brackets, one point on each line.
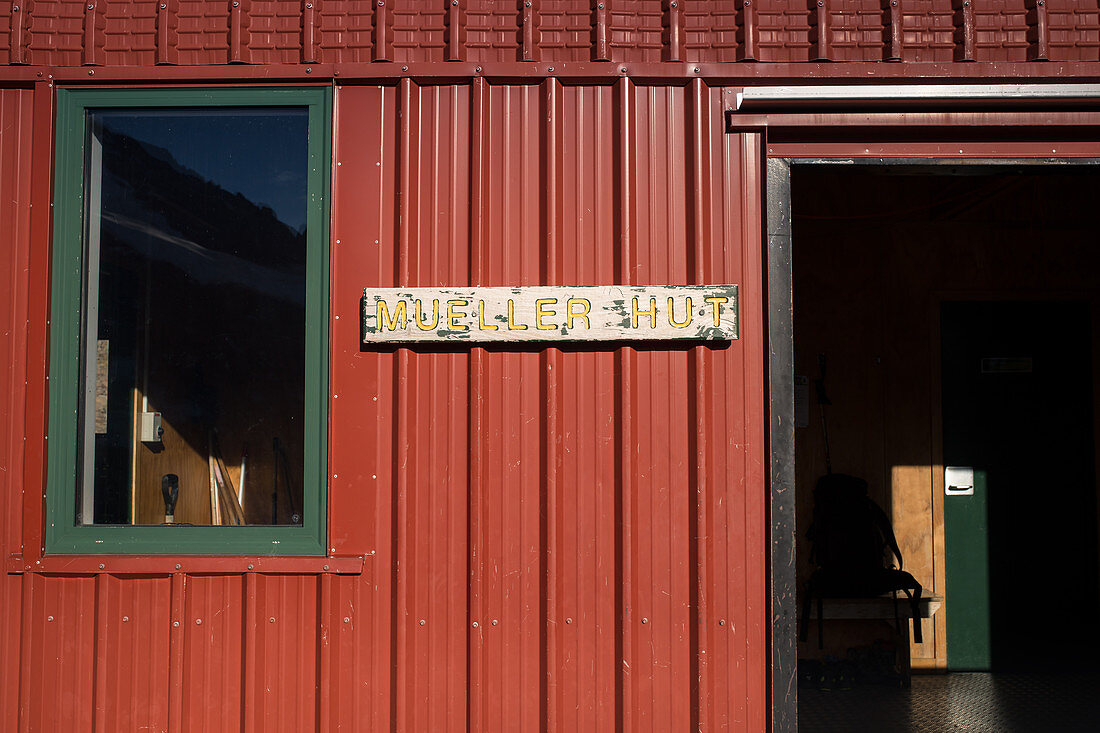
[195, 260]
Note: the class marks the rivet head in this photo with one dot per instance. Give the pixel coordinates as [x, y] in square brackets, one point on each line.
[696, 69]
[422, 622]
[569, 620]
[347, 619]
[721, 622]
[91, 72]
[645, 620]
[550, 69]
[495, 622]
[198, 622]
[309, 70]
[250, 566]
[49, 618]
[101, 565]
[178, 566]
[404, 68]
[176, 623]
[622, 70]
[474, 624]
[478, 69]
[125, 619]
[271, 620]
[454, 3]
[325, 567]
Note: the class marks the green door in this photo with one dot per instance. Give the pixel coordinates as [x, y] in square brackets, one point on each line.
[1021, 546]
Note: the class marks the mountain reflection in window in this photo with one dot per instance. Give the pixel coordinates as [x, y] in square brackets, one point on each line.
[195, 260]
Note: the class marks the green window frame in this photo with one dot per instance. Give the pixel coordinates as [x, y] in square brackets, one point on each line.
[63, 534]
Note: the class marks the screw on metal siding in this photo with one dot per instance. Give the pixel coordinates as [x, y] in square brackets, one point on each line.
[175, 623]
[454, 2]
[347, 620]
[101, 566]
[568, 620]
[49, 618]
[494, 622]
[422, 622]
[478, 69]
[325, 567]
[404, 68]
[645, 620]
[474, 624]
[271, 620]
[125, 619]
[250, 566]
[721, 622]
[198, 622]
[178, 566]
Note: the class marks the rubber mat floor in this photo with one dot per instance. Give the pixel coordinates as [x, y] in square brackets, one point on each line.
[1001, 702]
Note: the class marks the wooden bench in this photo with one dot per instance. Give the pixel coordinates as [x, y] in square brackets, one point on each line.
[880, 608]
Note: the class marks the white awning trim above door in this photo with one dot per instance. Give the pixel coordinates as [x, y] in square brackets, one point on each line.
[760, 99]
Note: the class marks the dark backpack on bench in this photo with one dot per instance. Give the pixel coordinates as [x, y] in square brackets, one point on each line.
[853, 546]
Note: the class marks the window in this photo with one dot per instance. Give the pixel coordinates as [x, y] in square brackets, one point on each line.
[189, 312]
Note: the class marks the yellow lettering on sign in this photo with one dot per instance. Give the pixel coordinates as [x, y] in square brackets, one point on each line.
[453, 315]
[716, 302]
[435, 316]
[481, 318]
[652, 312]
[672, 315]
[541, 312]
[382, 316]
[512, 325]
[586, 308]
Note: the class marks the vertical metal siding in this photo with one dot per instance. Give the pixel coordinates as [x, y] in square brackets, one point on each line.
[575, 536]
[563, 537]
[16, 109]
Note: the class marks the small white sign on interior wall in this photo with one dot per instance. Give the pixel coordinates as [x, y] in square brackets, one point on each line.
[550, 313]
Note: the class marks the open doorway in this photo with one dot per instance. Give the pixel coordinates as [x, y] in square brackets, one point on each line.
[954, 310]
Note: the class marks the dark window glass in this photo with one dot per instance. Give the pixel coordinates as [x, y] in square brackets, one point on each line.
[194, 316]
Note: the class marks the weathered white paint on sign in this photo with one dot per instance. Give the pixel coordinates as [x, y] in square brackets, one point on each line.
[558, 313]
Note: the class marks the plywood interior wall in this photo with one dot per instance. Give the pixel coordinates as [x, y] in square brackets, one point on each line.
[875, 252]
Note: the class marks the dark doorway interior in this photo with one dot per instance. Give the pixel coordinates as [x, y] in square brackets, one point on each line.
[905, 276]
[1017, 407]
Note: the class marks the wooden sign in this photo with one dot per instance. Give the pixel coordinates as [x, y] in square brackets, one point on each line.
[604, 313]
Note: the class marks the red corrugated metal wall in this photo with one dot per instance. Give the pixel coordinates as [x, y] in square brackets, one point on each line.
[16, 119]
[189, 32]
[562, 538]
[560, 534]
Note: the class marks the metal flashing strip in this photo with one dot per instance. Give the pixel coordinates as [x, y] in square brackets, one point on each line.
[775, 97]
